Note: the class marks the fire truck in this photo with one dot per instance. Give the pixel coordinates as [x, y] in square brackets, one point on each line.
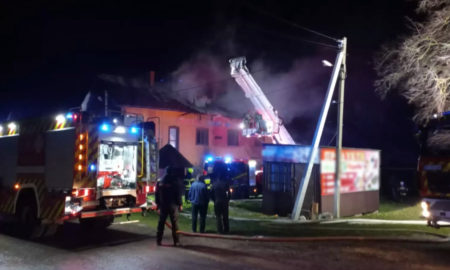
[240, 173]
[75, 166]
[434, 169]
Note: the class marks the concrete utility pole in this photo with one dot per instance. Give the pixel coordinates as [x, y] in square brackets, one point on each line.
[338, 64]
[340, 120]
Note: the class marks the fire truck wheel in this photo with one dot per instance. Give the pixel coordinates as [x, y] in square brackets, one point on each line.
[98, 223]
[27, 218]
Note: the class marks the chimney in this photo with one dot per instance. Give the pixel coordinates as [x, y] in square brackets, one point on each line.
[152, 78]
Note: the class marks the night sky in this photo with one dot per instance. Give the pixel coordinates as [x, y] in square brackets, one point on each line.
[53, 53]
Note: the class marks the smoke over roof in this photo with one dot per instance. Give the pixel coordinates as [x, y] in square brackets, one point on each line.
[204, 84]
[204, 81]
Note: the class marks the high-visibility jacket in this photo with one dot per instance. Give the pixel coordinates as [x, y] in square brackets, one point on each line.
[188, 183]
[208, 183]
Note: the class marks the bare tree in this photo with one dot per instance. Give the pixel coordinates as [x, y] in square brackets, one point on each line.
[418, 67]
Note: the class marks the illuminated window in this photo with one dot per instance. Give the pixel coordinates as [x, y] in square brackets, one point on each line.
[174, 136]
[233, 137]
[202, 136]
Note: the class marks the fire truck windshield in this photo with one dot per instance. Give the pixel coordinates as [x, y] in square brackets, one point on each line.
[435, 138]
[229, 170]
[117, 166]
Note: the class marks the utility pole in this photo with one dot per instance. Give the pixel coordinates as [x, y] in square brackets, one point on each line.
[319, 130]
[340, 120]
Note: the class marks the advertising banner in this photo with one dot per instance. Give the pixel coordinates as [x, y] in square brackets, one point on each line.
[360, 170]
[286, 153]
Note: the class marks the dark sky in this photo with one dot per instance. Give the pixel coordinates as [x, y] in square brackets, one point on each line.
[53, 52]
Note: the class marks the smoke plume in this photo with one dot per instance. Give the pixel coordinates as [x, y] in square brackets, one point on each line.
[204, 81]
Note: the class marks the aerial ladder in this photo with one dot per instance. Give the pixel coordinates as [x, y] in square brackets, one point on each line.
[275, 127]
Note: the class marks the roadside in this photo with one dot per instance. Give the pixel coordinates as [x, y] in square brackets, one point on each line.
[246, 219]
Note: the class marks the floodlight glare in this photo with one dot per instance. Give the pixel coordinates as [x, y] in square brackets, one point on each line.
[252, 163]
[119, 129]
[60, 118]
[228, 159]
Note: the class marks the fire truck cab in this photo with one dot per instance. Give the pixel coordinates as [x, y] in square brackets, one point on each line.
[434, 169]
[75, 166]
[241, 175]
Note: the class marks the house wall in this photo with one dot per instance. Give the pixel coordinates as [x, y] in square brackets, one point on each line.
[187, 123]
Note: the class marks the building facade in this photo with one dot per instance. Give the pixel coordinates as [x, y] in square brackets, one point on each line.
[196, 135]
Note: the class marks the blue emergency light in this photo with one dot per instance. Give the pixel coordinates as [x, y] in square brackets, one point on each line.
[134, 130]
[104, 127]
[209, 159]
[92, 167]
[69, 116]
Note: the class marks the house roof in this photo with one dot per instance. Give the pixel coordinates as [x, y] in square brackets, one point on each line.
[157, 101]
[123, 92]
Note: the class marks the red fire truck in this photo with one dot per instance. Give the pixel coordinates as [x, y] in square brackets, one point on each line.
[75, 166]
[434, 170]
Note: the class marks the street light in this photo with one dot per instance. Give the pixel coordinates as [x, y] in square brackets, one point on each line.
[326, 63]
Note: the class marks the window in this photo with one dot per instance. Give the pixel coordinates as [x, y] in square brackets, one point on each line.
[117, 166]
[279, 177]
[233, 137]
[202, 137]
[174, 137]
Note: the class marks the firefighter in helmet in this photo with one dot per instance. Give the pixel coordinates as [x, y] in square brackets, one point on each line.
[188, 180]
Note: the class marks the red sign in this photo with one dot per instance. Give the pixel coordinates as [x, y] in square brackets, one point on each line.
[360, 170]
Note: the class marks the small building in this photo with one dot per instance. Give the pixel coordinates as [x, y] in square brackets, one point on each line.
[283, 170]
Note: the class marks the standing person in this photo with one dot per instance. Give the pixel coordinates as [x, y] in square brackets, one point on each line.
[220, 193]
[188, 180]
[168, 201]
[198, 195]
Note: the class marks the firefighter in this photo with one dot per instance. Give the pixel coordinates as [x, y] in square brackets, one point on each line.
[208, 183]
[220, 194]
[188, 180]
[168, 201]
[199, 197]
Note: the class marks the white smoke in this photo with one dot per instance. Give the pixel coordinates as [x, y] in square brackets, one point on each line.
[205, 81]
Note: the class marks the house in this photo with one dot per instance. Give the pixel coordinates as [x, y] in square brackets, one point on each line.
[196, 134]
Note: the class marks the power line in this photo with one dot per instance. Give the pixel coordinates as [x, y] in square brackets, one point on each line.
[295, 38]
[296, 25]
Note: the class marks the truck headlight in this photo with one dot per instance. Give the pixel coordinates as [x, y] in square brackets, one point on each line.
[425, 209]
[424, 205]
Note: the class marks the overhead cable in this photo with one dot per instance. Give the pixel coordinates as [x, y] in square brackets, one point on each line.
[293, 24]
